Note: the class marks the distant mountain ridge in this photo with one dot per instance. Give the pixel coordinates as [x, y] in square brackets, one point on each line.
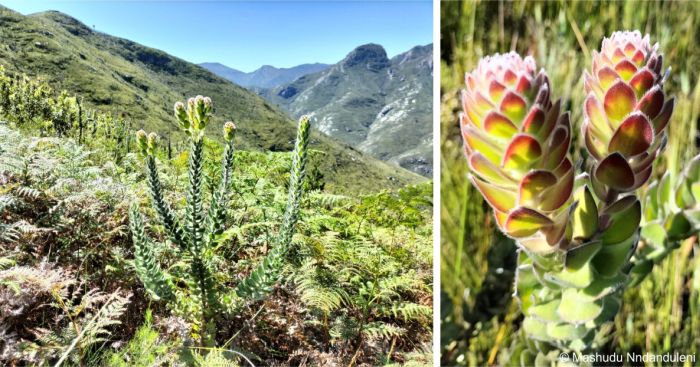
[264, 77]
[379, 105]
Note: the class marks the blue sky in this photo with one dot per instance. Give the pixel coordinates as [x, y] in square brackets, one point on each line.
[248, 34]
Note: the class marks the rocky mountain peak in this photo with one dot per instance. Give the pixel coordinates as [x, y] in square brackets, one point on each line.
[419, 54]
[367, 101]
[372, 56]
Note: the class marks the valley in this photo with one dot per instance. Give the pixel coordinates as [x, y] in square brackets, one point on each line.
[138, 83]
[381, 106]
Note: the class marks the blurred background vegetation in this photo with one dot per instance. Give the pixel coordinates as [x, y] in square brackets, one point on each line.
[479, 318]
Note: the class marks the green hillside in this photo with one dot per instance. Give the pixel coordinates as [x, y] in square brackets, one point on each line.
[141, 83]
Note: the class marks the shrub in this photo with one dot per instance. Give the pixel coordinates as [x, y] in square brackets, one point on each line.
[198, 238]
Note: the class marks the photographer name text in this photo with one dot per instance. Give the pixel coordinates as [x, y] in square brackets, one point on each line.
[629, 357]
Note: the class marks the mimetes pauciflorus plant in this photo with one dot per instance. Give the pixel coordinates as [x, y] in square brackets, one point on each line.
[577, 235]
[200, 298]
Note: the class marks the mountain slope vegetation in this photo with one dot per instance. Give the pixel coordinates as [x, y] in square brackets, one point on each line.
[67, 263]
[264, 77]
[140, 84]
[381, 106]
[91, 276]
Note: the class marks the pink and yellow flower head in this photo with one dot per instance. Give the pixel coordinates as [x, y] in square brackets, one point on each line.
[626, 112]
[517, 142]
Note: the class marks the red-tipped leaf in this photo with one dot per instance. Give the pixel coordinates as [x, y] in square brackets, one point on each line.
[626, 69]
[606, 77]
[634, 136]
[642, 81]
[557, 147]
[509, 77]
[638, 58]
[477, 141]
[619, 101]
[523, 222]
[615, 172]
[533, 184]
[514, 107]
[550, 121]
[523, 152]
[664, 116]
[533, 121]
[470, 110]
[594, 146]
[596, 116]
[640, 178]
[652, 102]
[558, 194]
[524, 85]
[499, 198]
[496, 90]
[617, 55]
[498, 125]
[489, 171]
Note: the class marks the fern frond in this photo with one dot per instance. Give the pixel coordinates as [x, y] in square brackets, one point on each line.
[7, 202]
[95, 330]
[8, 233]
[6, 263]
[404, 281]
[27, 192]
[218, 357]
[378, 330]
[11, 158]
[409, 311]
[326, 200]
[317, 287]
[344, 327]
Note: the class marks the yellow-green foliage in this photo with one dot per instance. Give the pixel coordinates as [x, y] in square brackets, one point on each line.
[32, 104]
[146, 348]
[367, 274]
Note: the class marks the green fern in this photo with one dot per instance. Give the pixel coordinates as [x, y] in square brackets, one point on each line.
[86, 318]
[378, 330]
[409, 311]
[144, 349]
[360, 287]
[319, 288]
[94, 328]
